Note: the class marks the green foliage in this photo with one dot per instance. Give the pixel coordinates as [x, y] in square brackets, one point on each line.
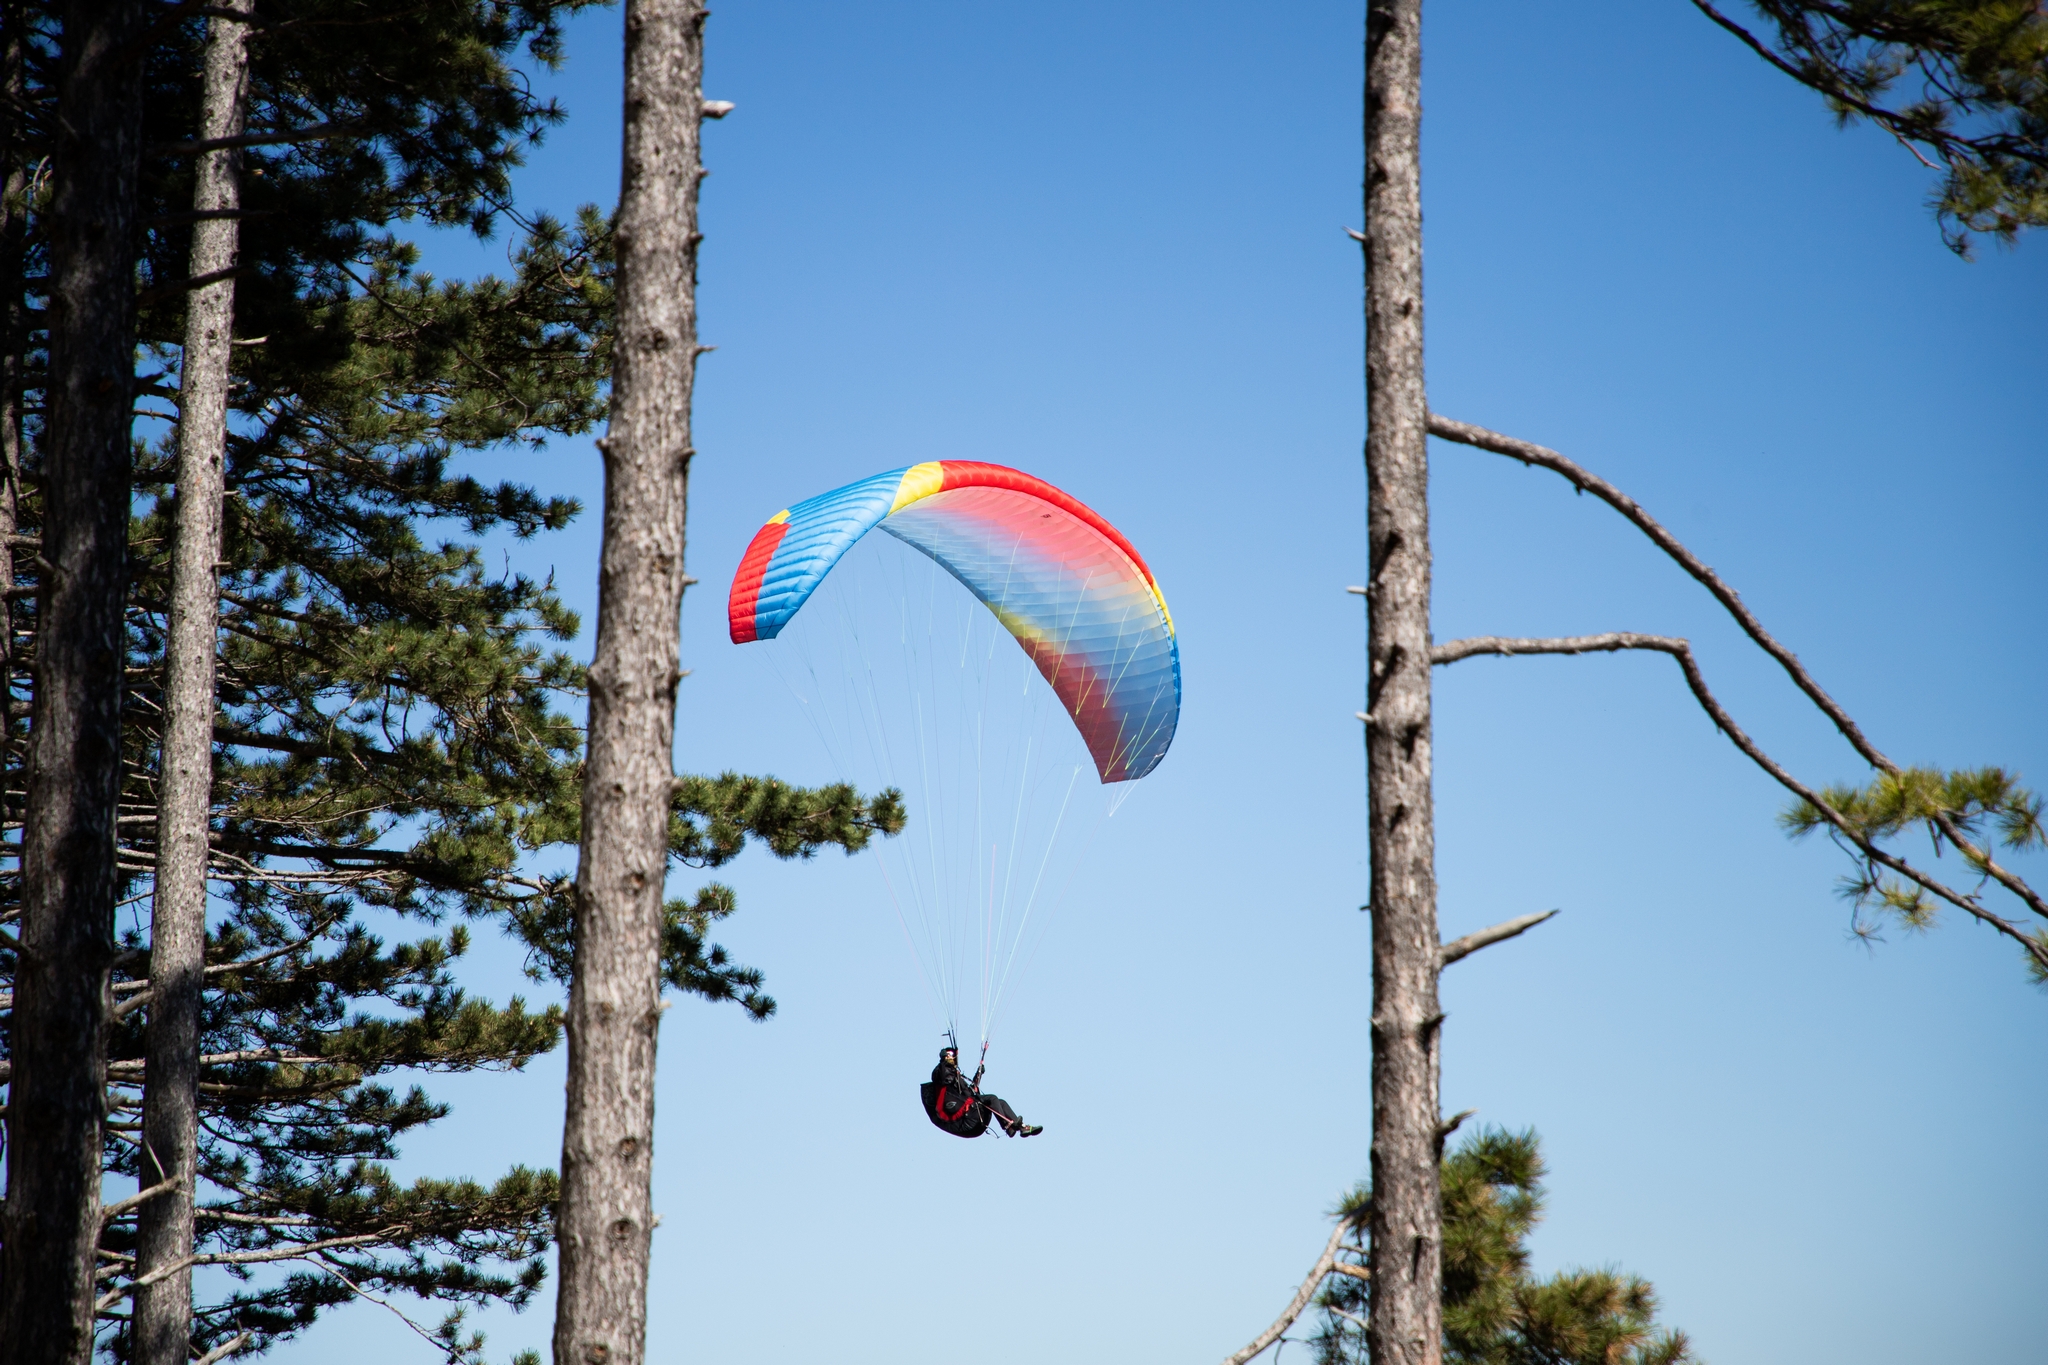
[1962, 83]
[1970, 797]
[1495, 1311]
[395, 741]
[422, 109]
[391, 713]
[1987, 806]
[711, 819]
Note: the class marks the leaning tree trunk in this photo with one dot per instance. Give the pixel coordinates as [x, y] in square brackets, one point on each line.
[162, 1329]
[614, 997]
[62, 1000]
[1405, 1326]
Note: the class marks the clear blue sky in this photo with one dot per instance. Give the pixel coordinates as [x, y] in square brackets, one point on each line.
[1103, 242]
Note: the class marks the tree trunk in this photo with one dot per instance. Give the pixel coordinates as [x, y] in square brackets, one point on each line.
[62, 1000]
[614, 997]
[162, 1328]
[13, 342]
[1406, 1318]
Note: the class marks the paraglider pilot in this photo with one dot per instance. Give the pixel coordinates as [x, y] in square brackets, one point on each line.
[955, 1103]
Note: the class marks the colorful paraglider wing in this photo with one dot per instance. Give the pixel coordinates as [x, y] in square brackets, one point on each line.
[1064, 582]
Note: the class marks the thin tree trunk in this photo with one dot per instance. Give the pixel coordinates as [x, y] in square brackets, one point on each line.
[13, 236]
[62, 1002]
[614, 998]
[1405, 1325]
[162, 1329]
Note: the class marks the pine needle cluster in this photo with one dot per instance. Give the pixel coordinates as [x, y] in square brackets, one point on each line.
[1961, 83]
[1984, 805]
[711, 819]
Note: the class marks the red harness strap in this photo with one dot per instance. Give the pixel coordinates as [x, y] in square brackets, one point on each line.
[939, 1104]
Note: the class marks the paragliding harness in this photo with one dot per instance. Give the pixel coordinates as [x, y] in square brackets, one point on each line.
[957, 1108]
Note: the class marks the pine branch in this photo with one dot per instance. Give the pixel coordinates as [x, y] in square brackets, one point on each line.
[266, 1256]
[1472, 943]
[1530, 453]
[328, 853]
[231, 1346]
[1587, 482]
[2036, 950]
[319, 132]
[1325, 1264]
[322, 1263]
[274, 1056]
[1980, 109]
[1946, 145]
[302, 748]
[109, 1212]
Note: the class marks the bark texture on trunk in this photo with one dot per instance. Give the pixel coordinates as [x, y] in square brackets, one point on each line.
[615, 996]
[162, 1329]
[62, 1002]
[13, 237]
[1405, 1324]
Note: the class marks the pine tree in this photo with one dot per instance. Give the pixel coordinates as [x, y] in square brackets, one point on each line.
[1494, 1311]
[86, 81]
[1983, 112]
[391, 740]
[378, 690]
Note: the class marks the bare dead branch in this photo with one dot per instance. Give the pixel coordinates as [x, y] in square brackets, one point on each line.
[1454, 650]
[110, 1212]
[1682, 651]
[322, 1263]
[1323, 1266]
[218, 1215]
[1485, 938]
[285, 1253]
[2004, 876]
[1528, 452]
[225, 1349]
[274, 1056]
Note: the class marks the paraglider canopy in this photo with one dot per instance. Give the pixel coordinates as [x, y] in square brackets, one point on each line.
[1067, 585]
